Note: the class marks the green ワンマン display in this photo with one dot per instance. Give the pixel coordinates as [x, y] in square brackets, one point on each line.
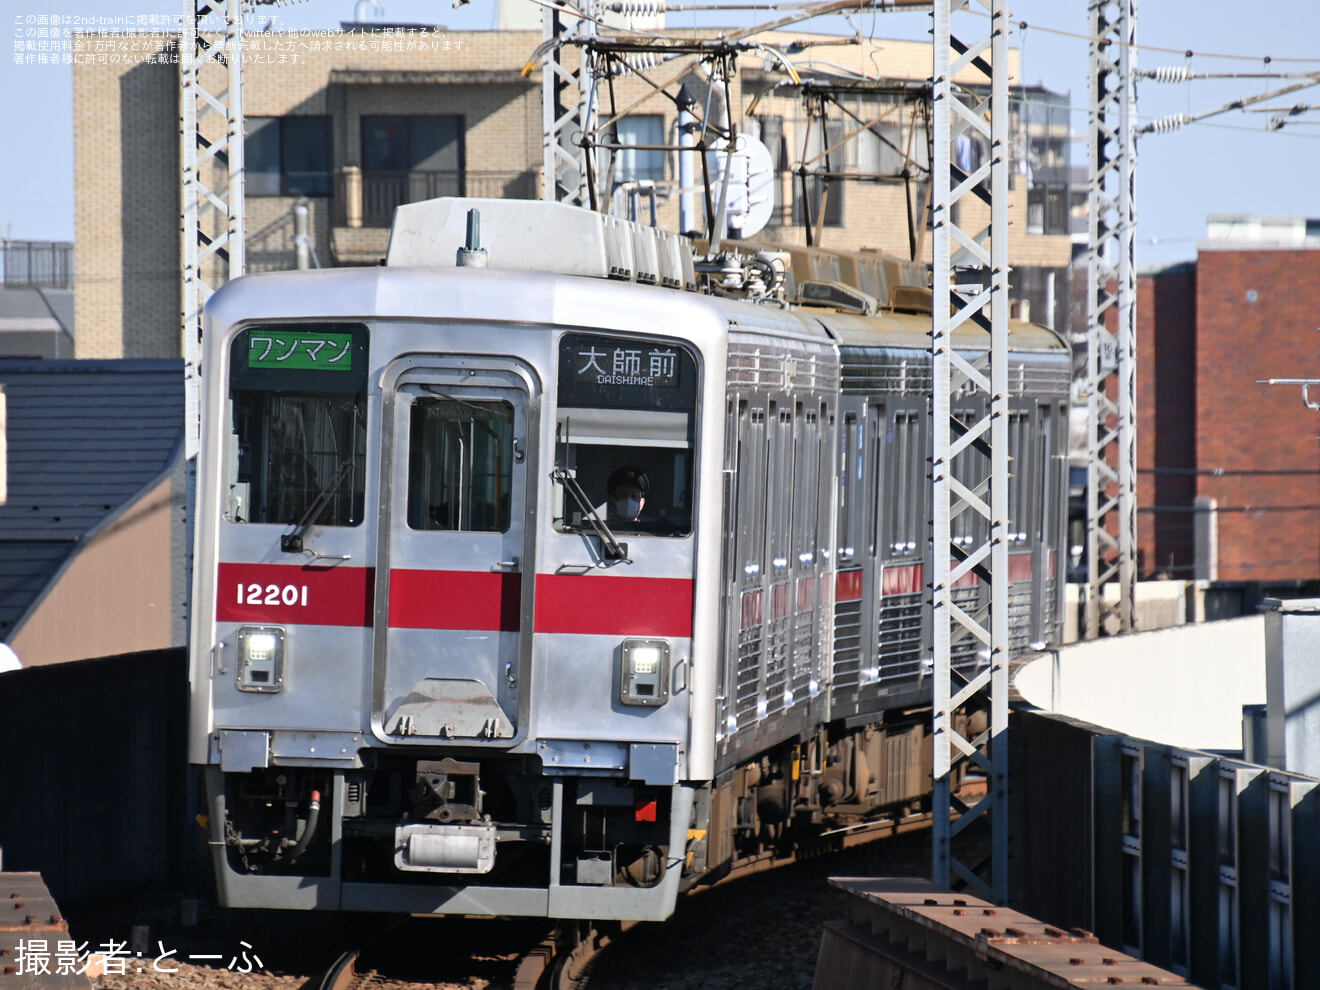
[300, 350]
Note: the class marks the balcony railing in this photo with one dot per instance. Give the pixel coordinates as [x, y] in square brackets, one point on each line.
[37, 264]
[368, 199]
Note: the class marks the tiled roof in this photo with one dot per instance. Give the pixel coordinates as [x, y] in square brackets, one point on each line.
[83, 438]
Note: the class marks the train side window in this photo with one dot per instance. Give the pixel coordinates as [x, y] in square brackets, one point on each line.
[460, 465]
[298, 430]
[825, 482]
[805, 480]
[907, 453]
[875, 493]
[1019, 479]
[751, 519]
[779, 487]
[850, 478]
[1051, 494]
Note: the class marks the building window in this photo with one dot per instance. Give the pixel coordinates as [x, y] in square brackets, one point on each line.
[419, 143]
[827, 155]
[407, 159]
[287, 156]
[1047, 209]
[635, 163]
[815, 195]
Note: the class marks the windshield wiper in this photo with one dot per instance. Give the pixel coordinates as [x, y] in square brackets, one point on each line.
[610, 545]
[293, 542]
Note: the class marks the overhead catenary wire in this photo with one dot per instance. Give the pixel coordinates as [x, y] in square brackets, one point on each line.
[1185, 52]
[1173, 122]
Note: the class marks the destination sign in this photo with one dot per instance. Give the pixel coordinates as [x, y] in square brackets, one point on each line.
[627, 364]
[601, 372]
[300, 350]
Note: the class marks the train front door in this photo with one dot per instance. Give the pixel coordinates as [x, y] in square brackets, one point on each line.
[453, 574]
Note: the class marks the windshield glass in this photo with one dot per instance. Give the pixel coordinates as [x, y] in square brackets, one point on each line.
[298, 425]
[624, 431]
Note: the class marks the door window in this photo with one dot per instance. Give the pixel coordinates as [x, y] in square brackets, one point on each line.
[460, 465]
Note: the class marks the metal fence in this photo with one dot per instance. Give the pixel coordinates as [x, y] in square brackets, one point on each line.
[1203, 864]
[37, 264]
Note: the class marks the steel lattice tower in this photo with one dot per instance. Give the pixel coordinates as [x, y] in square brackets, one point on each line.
[568, 111]
[969, 440]
[1111, 481]
[211, 151]
[211, 209]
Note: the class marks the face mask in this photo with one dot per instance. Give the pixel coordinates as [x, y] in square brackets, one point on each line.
[627, 508]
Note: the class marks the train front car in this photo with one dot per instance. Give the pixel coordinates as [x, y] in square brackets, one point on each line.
[451, 651]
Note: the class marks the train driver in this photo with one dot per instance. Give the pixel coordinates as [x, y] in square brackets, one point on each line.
[627, 488]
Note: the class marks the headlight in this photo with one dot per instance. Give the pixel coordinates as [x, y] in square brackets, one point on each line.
[261, 659]
[644, 672]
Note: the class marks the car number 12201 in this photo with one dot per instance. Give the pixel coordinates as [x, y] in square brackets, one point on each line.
[272, 594]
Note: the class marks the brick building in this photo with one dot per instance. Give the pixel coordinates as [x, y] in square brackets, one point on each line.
[357, 122]
[1229, 469]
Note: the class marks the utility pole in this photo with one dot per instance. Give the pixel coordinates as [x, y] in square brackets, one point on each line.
[1111, 294]
[969, 443]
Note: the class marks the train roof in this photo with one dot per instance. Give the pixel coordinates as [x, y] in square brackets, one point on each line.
[896, 329]
[540, 298]
[471, 294]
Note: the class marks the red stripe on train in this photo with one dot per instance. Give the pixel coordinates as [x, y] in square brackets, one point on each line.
[293, 595]
[475, 600]
[488, 601]
[597, 605]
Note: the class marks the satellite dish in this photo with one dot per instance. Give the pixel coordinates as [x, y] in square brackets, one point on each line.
[751, 197]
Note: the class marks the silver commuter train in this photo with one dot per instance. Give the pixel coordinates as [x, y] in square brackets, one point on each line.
[434, 671]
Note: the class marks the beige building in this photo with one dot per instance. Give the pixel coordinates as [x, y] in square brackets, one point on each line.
[355, 123]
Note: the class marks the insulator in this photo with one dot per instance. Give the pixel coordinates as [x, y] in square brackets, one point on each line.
[638, 8]
[642, 60]
[635, 62]
[1166, 124]
[1170, 74]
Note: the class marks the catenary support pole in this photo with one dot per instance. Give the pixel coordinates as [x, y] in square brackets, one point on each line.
[211, 209]
[969, 443]
[1111, 319]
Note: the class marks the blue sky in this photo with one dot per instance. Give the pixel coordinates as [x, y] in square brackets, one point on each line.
[1231, 164]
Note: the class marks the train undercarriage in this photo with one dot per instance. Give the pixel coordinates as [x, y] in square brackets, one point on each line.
[427, 820]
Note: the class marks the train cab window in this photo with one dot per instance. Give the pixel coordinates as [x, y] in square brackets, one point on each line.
[624, 435]
[460, 465]
[298, 425]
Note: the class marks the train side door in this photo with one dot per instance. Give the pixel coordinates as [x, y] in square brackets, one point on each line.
[454, 574]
